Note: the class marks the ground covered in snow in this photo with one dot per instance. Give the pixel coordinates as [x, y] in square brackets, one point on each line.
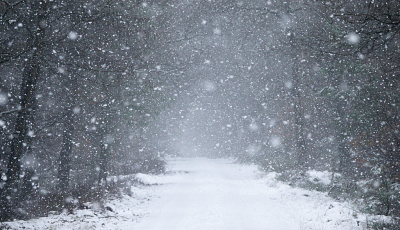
[207, 194]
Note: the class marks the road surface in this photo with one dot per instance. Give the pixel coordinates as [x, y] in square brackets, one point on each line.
[216, 194]
[210, 194]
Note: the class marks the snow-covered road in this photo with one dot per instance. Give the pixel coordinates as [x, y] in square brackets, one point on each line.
[216, 194]
[210, 194]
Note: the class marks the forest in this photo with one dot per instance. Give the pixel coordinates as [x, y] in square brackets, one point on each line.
[92, 89]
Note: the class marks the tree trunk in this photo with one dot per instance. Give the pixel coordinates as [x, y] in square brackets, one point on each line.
[23, 129]
[299, 119]
[300, 141]
[65, 153]
[104, 152]
[104, 143]
[342, 149]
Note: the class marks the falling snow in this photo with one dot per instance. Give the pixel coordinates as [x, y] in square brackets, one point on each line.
[353, 38]
[72, 35]
[217, 106]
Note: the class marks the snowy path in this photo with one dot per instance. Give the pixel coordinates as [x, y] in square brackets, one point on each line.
[215, 194]
[209, 194]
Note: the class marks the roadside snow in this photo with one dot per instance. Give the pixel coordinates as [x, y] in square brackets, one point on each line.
[206, 194]
[122, 213]
[318, 176]
[315, 210]
[321, 176]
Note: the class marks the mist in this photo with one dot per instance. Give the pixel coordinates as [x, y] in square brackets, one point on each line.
[96, 90]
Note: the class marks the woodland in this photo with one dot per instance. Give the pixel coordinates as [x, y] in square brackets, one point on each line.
[96, 88]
